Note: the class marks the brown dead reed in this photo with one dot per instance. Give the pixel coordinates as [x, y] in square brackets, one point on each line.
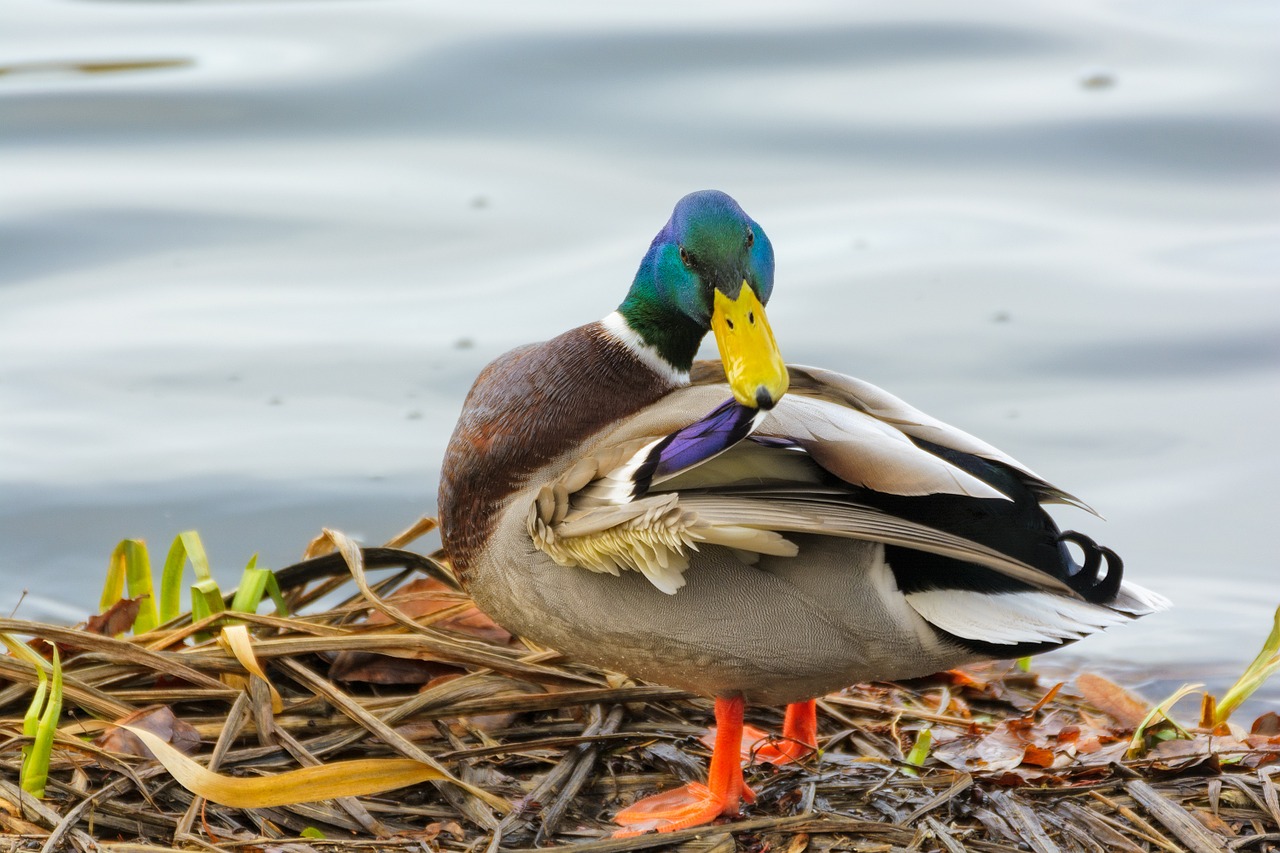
[550, 749]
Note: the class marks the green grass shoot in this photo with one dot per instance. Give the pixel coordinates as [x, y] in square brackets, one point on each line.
[254, 584]
[186, 545]
[40, 724]
[206, 600]
[1153, 726]
[919, 751]
[131, 568]
[131, 565]
[41, 719]
[1263, 667]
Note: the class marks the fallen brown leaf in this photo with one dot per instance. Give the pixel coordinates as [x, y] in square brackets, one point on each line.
[157, 719]
[1268, 724]
[1037, 756]
[118, 618]
[1112, 699]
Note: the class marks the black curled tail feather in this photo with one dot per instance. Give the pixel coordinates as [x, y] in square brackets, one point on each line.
[1085, 579]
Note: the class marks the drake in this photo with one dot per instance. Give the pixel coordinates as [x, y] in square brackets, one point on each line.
[746, 529]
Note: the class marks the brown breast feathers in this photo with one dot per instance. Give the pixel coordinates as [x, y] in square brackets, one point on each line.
[528, 407]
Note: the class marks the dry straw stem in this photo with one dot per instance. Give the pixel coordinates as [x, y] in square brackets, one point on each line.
[544, 750]
[353, 778]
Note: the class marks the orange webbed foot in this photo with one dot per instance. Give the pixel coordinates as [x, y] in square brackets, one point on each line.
[696, 804]
[691, 805]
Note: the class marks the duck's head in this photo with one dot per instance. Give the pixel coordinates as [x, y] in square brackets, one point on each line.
[710, 269]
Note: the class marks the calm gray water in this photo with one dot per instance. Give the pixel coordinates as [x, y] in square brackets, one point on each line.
[254, 253]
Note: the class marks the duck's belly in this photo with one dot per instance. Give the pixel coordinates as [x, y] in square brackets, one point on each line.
[780, 631]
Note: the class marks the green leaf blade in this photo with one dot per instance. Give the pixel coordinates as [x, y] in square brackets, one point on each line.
[35, 765]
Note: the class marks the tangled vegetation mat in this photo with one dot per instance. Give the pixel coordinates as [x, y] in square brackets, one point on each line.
[485, 742]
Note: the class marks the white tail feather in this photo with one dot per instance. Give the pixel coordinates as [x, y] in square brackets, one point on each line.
[1009, 618]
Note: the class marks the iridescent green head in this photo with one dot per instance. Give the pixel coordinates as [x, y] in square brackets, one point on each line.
[710, 268]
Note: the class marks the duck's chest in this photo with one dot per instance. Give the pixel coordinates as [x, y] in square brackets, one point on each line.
[530, 406]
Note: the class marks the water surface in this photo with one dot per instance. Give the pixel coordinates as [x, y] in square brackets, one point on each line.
[252, 254]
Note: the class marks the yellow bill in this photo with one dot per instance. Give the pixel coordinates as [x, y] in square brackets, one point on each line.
[757, 374]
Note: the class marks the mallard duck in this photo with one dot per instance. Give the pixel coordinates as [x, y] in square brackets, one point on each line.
[745, 529]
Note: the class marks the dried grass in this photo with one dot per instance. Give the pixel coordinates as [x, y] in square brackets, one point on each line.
[556, 748]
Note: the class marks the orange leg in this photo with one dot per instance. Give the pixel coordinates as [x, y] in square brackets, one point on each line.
[801, 725]
[799, 736]
[695, 803]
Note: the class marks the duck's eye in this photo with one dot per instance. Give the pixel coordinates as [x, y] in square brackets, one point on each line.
[751, 238]
[685, 257]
